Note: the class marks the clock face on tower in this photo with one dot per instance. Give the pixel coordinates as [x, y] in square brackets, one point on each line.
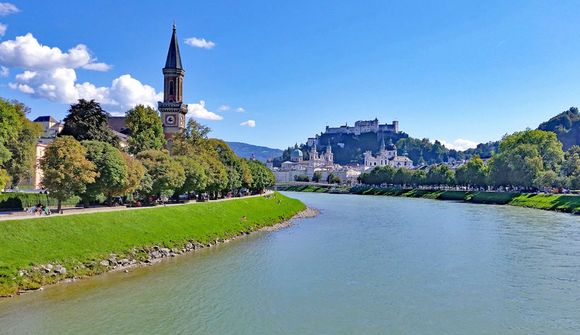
[170, 120]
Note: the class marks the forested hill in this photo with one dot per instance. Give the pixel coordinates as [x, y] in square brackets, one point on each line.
[260, 153]
[566, 125]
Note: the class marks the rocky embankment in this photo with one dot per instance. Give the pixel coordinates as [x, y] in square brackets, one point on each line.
[52, 273]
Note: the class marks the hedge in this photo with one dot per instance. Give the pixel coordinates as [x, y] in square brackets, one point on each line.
[20, 201]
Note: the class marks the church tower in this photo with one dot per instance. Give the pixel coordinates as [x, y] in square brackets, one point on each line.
[172, 109]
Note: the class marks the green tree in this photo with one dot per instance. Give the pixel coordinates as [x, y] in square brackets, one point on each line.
[191, 140]
[473, 173]
[23, 152]
[135, 174]
[301, 178]
[262, 177]
[317, 176]
[550, 179]
[86, 120]
[440, 175]
[145, 129]
[195, 177]
[333, 179]
[18, 138]
[419, 177]
[239, 174]
[519, 166]
[163, 174]
[403, 176]
[571, 165]
[545, 142]
[216, 172]
[112, 171]
[66, 170]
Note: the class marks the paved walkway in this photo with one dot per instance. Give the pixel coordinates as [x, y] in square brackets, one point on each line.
[21, 215]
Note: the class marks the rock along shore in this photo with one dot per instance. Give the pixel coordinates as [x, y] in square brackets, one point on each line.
[137, 257]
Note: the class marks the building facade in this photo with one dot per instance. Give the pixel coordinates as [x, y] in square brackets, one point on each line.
[387, 156]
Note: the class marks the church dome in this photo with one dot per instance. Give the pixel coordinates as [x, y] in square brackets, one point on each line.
[391, 146]
[297, 153]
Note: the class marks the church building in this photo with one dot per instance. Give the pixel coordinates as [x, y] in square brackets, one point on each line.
[172, 110]
[387, 156]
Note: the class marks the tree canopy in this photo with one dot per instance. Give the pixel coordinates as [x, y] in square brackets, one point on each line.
[145, 129]
[86, 120]
[66, 170]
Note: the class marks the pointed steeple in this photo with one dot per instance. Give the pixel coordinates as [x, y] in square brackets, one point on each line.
[383, 146]
[173, 56]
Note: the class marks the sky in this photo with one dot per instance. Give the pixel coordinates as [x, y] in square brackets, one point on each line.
[274, 73]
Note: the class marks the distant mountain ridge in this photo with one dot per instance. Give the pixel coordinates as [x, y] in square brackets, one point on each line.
[261, 153]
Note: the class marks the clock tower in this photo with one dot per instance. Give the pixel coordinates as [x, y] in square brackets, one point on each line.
[172, 109]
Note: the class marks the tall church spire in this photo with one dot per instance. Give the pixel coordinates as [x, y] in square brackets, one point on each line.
[172, 109]
[173, 56]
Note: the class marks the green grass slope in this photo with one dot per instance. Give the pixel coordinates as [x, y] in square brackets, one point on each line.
[554, 202]
[69, 240]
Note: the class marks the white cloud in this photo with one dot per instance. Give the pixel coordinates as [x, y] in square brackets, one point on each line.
[240, 110]
[249, 123]
[4, 71]
[127, 92]
[459, 144]
[224, 108]
[3, 28]
[199, 43]
[102, 67]
[51, 74]
[22, 88]
[27, 53]
[199, 111]
[60, 85]
[7, 8]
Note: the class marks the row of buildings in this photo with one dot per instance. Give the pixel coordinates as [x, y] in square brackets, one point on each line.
[323, 164]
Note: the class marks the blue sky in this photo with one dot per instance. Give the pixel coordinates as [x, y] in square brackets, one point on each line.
[446, 70]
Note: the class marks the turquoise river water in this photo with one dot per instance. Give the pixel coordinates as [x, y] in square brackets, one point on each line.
[365, 265]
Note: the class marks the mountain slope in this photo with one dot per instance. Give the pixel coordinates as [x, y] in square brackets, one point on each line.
[566, 125]
[246, 150]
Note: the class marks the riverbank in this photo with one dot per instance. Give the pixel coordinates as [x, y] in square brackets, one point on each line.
[38, 252]
[551, 202]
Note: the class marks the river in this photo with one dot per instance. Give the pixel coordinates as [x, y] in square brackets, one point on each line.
[365, 265]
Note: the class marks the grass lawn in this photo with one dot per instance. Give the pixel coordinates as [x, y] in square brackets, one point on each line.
[555, 202]
[71, 239]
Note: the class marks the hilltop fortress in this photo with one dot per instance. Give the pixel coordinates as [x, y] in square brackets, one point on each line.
[359, 128]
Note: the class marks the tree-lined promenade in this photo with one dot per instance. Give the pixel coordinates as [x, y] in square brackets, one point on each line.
[527, 161]
[87, 160]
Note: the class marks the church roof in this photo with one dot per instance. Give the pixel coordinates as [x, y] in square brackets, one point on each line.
[173, 56]
[45, 118]
[296, 153]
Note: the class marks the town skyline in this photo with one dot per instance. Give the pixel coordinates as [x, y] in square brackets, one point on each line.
[279, 86]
